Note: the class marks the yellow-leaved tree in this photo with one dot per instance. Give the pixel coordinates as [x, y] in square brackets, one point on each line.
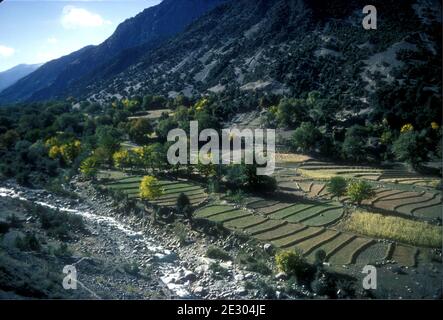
[151, 190]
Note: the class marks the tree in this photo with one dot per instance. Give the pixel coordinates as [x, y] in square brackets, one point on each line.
[337, 186]
[150, 189]
[123, 159]
[306, 137]
[164, 126]
[8, 139]
[184, 206]
[354, 145]
[89, 167]
[358, 191]
[409, 147]
[70, 151]
[290, 112]
[291, 262]
[140, 130]
[108, 142]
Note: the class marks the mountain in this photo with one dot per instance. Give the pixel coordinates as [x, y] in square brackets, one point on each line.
[294, 47]
[11, 76]
[148, 29]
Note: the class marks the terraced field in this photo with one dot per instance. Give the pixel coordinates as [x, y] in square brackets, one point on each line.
[341, 248]
[426, 205]
[421, 204]
[309, 213]
[172, 189]
[323, 171]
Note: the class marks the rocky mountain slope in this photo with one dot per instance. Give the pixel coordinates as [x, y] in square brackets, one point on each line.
[293, 47]
[148, 29]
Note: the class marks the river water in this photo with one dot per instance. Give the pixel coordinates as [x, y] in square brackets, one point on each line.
[168, 263]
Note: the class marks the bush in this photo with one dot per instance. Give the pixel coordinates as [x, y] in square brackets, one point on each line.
[181, 232]
[254, 263]
[337, 186]
[237, 196]
[291, 262]
[218, 253]
[59, 224]
[131, 268]
[218, 272]
[62, 251]
[28, 243]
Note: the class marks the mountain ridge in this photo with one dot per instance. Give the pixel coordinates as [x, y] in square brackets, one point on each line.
[149, 28]
[14, 74]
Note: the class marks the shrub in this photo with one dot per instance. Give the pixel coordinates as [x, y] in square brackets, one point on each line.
[218, 253]
[237, 196]
[181, 232]
[62, 251]
[28, 243]
[218, 272]
[291, 262]
[337, 186]
[59, 224]
[131, 268]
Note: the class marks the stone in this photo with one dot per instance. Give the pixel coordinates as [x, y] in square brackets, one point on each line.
[239, 277]
[169, 257]
[281, 276]
[267, 248]
[200, 291]
[189, 276]
[241, 292]
[249, 276]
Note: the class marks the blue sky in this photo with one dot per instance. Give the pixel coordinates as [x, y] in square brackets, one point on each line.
[36, 31]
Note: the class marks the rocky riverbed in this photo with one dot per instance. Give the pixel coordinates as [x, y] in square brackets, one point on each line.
[160, 266]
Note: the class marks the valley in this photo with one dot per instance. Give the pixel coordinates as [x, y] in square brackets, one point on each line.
[110, 157]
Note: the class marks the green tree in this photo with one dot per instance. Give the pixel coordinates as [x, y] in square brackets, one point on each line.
[140, 130]
[306, 137]
[354, 145]
[291, 112]
[108, 139]
[164, 126]
[359, 190]
[410, 147]
[337, 186]
[89, 167]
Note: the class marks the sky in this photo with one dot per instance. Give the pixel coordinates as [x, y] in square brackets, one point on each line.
[37, 31]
